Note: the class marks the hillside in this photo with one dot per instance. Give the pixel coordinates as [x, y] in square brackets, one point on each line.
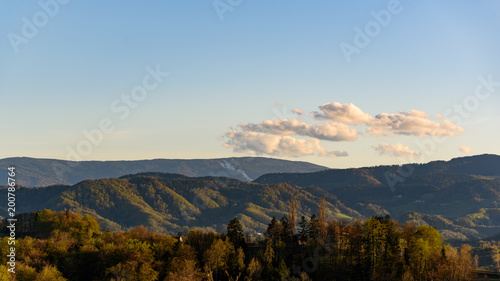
[172, 203]
[486, 165]
[460, 197]
[44, 172]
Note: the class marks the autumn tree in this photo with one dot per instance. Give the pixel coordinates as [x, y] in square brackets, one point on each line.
[322, 219]
[292, 214]
[185, 271]
[223, 260]
[254, 270]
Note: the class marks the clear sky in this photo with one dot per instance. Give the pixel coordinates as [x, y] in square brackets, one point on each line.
[370, 82]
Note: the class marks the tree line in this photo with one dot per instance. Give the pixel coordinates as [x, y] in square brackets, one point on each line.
[68, 246]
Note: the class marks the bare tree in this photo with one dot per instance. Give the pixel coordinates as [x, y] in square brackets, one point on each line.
[322, 219]
[292, 214]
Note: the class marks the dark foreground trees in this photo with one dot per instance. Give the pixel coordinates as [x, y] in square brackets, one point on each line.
[67, 246]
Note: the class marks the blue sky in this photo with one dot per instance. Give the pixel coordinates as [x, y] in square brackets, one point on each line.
[258, 61]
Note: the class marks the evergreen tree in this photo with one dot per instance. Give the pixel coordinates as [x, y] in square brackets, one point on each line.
[303, 228]
[314, 227]
[274, 230]
[286, 234]
[235, 233]
[283, 271]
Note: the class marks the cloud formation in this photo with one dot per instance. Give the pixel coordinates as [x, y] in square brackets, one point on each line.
[345, 113]
[331, 131]
[465, 149]
[396, 150]
[258, 143]
[413, 123]
[334, 123]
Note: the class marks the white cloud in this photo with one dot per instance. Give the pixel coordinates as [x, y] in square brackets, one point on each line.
[256, 143]
[413, 123]
[465, 149]
[396, 150]
[345, 113]
[331, 131]
[337, 153]
[335, 123]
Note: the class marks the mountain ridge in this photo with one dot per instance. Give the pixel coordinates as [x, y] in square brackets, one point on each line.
[44, 172]
[460, 197]
[377, 175]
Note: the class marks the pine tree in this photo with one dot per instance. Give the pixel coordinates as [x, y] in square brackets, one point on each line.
[274, 229]
[303, 228]
[286, 233]
[283, 271]
[313, 231]
[235, 233]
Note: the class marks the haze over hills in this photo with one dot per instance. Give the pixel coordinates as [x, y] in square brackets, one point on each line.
[44, 172]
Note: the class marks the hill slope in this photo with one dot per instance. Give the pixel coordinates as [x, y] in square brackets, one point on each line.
[44, 172]
[460, 196]
[170, 203]
[486, 165]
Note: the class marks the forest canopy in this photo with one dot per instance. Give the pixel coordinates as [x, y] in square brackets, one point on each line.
[68, 246]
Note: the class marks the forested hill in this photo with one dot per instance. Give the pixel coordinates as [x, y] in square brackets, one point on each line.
[487, 165]
[460, 197]
[171, 203]
[44, 172]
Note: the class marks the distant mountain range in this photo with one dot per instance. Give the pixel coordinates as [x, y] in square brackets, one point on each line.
[460, 197]
[44, 172]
